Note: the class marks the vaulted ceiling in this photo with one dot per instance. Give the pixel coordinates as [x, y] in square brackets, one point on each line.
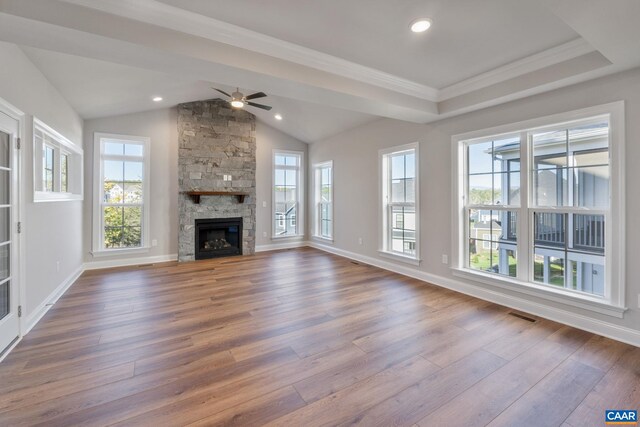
[326, 65]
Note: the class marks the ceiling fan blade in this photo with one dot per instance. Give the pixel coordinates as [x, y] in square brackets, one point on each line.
[222, 92]
[264, 107]
[256, 95]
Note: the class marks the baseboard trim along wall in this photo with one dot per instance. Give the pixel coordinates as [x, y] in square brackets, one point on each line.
[596, 326]
[37, 314]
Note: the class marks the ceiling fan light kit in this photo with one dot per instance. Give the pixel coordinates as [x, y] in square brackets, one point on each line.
[238, 100]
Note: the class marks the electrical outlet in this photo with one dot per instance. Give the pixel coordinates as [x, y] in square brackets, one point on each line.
[264, 234]
[445, 259]
[360, 240]
[264, 204]
[58, 266]
[154, 242]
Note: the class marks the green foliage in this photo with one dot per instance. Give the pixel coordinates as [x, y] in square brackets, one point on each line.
[122, 225]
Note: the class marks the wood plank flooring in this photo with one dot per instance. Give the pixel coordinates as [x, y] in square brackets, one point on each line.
[302, 338]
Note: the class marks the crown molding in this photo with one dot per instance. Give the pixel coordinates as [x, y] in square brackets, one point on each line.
[163, 15]
[555, 55]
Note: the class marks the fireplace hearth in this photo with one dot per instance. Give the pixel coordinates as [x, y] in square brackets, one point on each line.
[218, 237]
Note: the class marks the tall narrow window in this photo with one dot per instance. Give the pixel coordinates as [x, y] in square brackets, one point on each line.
[287, 184]
[399, 200]
[121, 209]
[324, 200]
[554, 231]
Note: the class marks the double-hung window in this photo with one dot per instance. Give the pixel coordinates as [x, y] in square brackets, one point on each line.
[324, 200]
[287, 194]
[540, 205]
[121, 209]
[57, 165]
[400, 216]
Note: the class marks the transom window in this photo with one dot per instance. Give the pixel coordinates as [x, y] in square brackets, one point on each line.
[537, 206]
[324, 200]
[121, 206]
[399, 201]
[287, 184]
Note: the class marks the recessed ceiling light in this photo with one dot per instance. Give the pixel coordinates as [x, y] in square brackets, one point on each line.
[278, 117]
[420, 25]
[157, 98]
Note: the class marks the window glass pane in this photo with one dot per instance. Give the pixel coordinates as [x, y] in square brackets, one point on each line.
[550, 149]
[410, 165]
[114, 148]
[493, 241]
[285, 219]
[279, 160]
[113, 185]
[397, 167]
[403, 230]
[550, 187]
[506, 154]
[591, 137]
[587, 275]
[549, 229]
[291, 160]
[5, 253]
[588, 233]
[514, 188]
[480, 157]
[498, 180]
[590, 158]
[5, 161]
[5, 224]
[5, 300]
[133, 150]
[591, 186]
[133, 182]
[481, 189]
[64, 173]
[548, 267]
[122, 227]
[113, 217]
[5, 187]
[47, 162]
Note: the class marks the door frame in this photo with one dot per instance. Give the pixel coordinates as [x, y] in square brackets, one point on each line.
[17, 263]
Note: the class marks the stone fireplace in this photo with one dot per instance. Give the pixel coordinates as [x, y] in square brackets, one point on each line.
[217, 154]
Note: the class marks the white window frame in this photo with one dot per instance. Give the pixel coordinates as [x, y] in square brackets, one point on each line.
[317, 176]
[75, 165]
[385, 207]
[299, 189]
[98, 173]
[613, 303]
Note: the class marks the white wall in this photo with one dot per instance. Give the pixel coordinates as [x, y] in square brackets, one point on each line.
[268, 139]
[161, 126]
[52, 230]
[355, 157]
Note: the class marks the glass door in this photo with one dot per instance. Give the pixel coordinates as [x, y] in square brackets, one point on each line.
[9, 323]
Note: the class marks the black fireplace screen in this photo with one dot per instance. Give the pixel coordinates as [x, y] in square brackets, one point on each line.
[218, 237]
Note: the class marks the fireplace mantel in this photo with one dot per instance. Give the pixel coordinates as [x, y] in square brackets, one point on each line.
[195, 195]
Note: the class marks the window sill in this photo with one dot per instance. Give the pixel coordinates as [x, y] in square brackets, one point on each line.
[46, 196]
[398, 257]
[323, 239]
[117, 252]
[586, 302]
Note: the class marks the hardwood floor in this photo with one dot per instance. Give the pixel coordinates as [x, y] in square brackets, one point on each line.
[302, 338]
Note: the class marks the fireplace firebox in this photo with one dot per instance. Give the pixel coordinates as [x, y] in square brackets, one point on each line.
[218, 237]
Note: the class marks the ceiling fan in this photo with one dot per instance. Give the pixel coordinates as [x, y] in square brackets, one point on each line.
[238, 100]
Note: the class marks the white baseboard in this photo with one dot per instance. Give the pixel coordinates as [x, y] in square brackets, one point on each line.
[44, 306]
[124, 262]
[282, 245]
[596, 326]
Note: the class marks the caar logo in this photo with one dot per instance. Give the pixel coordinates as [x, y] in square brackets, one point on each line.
[620, 417]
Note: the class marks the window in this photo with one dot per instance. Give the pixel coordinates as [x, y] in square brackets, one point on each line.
[57, 166]
[400, 201]
[287, 194]
[537, 205]
[121, 211]
[324, 200]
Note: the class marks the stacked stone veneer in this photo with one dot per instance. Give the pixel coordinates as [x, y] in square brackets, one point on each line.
[214, 141]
